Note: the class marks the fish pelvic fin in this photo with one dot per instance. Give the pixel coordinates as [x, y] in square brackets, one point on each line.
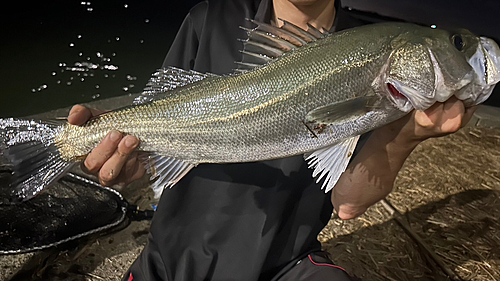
[165, 171]
[331, 162]
[28, 151]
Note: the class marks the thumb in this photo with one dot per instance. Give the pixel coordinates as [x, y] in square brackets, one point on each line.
[78, 115]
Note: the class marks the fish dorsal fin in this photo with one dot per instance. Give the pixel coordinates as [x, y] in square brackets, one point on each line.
[167, 79]
[269, 39]
[278, 32]
[310, 35]
[331, 161]
[316, 32]
[165, 171]
[265, 42]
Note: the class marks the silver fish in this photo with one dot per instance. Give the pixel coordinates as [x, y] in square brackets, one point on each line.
[296, 92]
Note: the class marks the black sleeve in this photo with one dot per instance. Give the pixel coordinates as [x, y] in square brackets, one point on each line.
[183, 51]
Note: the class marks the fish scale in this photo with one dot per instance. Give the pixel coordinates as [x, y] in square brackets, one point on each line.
[315, 99]
[238, 124]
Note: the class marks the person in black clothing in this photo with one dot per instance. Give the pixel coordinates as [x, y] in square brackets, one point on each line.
[257, 221]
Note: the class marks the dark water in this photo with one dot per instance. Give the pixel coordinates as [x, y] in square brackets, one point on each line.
[58, 53]
[481, 17]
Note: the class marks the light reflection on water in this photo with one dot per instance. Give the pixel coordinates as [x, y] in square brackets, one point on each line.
[36, 53]
[63, 53]
[95, 64]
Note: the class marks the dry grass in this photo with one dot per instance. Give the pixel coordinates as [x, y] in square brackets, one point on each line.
[448, 191]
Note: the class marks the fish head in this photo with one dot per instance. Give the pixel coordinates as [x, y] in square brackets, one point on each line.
[428, 65]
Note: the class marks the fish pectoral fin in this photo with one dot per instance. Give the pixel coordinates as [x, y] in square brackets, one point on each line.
[331, 161]
[342, 111]
[165, 171]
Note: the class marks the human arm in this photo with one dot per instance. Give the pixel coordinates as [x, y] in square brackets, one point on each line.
[370, 175]
[114, 160]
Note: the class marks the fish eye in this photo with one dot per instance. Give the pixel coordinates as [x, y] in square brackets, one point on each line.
[458, 42]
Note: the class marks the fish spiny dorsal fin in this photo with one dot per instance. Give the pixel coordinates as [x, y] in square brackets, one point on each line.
[270, 40]
[309, 35]
[316, 32]
[257, 49]
[167, 79]
[299, 32]
[279, 32]
[265, 42]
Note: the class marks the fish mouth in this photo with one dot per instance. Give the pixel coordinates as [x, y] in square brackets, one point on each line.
[398, 98]
[486, 66]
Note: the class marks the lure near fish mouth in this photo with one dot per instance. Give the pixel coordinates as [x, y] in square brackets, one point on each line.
[294, 92]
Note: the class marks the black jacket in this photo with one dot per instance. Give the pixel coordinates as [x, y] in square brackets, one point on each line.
[245, 221]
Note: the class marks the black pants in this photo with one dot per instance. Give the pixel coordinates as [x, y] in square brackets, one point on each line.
[315, 266]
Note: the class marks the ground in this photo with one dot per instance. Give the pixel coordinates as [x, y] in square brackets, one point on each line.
[447, 195]
[448, 192]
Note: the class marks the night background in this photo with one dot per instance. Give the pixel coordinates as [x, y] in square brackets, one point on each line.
[58, 53]
[54, 54]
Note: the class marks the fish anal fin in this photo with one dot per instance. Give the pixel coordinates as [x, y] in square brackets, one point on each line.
[331, 161]
[165, 171]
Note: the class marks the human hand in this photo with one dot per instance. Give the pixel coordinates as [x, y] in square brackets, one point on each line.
[440, 119]
[114, 160]
[371, 174]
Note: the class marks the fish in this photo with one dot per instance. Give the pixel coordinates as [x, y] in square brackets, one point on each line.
[294, 92]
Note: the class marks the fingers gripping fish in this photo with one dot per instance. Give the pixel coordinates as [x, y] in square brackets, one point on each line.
[295, 92]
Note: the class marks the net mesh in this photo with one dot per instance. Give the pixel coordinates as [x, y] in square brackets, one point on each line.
[72, 208]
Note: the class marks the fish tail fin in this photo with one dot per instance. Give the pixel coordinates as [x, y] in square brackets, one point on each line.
[29, 152]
